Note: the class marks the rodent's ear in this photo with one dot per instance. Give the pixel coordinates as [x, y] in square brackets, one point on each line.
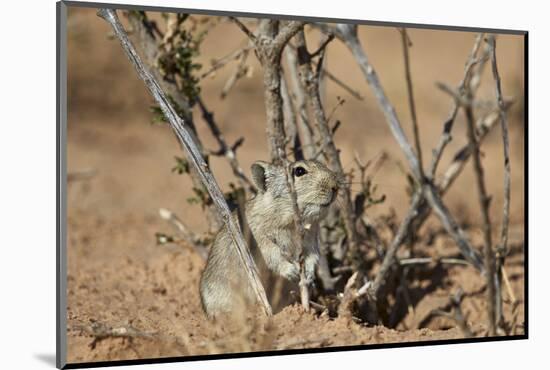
[259, 169]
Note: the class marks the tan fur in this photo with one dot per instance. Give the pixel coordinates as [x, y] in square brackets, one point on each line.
[224, 286]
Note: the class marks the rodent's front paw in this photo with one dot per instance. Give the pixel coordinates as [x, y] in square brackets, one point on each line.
[291, 271]
[310, 277]
[311, 263]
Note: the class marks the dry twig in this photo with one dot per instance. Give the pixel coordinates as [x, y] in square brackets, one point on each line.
[410, 92]
[101, 331]
[502, 247]
[484, 204]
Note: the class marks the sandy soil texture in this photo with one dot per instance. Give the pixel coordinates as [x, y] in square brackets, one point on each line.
[119, 277]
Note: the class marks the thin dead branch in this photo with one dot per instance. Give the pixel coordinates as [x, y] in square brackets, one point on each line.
[100, 331]
[193, 240]
[445, 137]
[502, 247]
[483, 127]
[429, 261]
[389, 258]
[229, 152]
[303, 121]
[348, 297]
[410, 93]
[222, 62]
[484, 204]
[243, 28]
[182, 132]
[356, 94]
[240, 71]
[456, 313]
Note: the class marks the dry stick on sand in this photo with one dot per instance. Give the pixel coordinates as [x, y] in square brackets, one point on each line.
[101, 331]
[502, 248]
[187, 235]
[484, 204]
[456, 314]
[182, 132]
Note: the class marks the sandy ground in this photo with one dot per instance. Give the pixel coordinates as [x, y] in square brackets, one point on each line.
[118, 276]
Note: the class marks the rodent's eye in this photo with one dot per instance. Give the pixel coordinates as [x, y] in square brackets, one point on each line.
[299, 171]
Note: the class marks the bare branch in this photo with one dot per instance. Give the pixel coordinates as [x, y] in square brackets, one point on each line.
[357, 95]
[456, 314]
[429, 260]
[410, 92]
[190, 238]
[460, 158]
[288, 31]
[182, 132]
[448, 125]
[240, 71]
[245, 29]
[291, 124]
[484, 203]
[102, 331]
[304, 127]
[350, 39]
[226, 150]
[389, 258]
[322, 47]
[348, 297]
[506, 146]
[502, 248]
[459, 98]
[222, 62]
